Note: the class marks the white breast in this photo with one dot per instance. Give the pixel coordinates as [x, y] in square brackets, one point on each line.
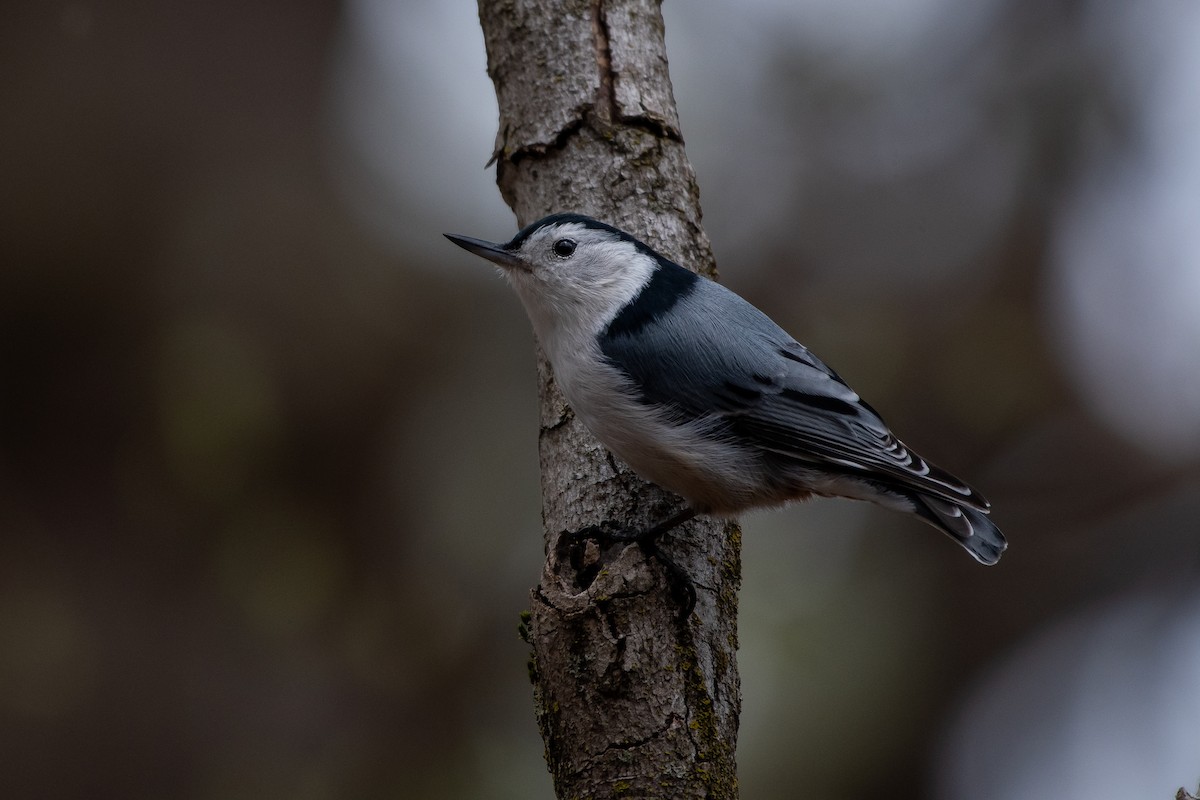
[714, 476]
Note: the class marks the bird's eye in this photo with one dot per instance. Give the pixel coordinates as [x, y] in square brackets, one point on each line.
[564, 248]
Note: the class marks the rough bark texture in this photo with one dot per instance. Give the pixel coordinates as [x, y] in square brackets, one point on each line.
[631, 701]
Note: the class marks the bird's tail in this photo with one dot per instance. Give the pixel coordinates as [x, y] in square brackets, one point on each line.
[968, 526]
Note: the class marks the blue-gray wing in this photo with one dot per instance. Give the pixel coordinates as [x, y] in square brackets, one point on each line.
[714, 353]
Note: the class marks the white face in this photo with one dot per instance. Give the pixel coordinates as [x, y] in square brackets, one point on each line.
[570, 276]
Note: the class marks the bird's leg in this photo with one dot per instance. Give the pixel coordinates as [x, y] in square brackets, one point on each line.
[682, 586]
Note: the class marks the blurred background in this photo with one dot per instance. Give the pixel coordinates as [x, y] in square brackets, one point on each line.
[268, 474]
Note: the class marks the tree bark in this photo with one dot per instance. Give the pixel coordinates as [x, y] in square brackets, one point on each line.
[631, 701]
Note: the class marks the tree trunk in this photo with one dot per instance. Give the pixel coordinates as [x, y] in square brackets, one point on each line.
[631, 701]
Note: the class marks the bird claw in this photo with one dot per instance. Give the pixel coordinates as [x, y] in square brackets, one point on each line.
[606, 532]
[683, 588]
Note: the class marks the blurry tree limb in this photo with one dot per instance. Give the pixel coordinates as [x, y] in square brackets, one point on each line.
[630, 700]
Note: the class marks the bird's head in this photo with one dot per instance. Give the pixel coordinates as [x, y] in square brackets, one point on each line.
[571, 271]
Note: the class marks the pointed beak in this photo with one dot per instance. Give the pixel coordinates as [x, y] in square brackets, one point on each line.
[490, 250]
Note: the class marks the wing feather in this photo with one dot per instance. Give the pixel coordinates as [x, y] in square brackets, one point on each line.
[770, 391]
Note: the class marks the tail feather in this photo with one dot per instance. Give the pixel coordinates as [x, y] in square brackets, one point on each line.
[968, 526]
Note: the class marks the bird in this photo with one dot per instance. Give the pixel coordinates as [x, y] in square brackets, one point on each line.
[700, 392]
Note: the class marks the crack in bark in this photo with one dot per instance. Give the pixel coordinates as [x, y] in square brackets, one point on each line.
[589, 116]
[656, 127]
[603, 113]
[631, 744]
[606, 107]
[658, 733]
[606, 101]
[542, 148]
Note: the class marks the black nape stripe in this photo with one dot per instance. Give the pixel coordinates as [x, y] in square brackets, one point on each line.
[669, 284]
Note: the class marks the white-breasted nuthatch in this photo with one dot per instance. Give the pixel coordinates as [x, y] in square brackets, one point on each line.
[701, 393]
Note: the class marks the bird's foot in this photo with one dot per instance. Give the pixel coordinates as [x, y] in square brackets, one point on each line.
[606, 532]
[683, 589]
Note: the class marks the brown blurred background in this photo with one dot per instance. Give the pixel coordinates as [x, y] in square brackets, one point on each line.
[268, 491]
